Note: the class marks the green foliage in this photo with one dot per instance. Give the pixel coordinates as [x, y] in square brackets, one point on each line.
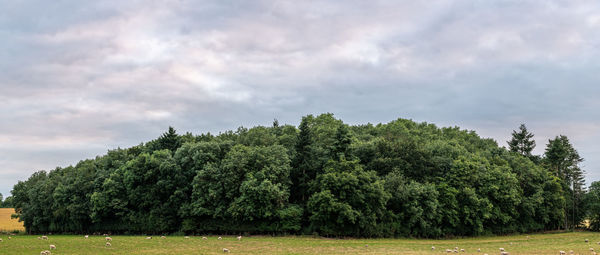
[397, 179]
[521, 142]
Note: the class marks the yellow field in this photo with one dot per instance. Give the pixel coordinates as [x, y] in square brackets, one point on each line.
[8, 224]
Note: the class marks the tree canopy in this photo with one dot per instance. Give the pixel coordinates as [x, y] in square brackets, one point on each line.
[401, 178]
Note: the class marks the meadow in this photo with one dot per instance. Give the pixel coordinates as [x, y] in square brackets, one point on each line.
[264, 245]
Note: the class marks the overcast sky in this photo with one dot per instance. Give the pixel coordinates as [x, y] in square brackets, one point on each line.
[80, 77]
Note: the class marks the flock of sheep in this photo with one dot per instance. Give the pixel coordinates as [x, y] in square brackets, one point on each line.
[504, 252]
[109, 239]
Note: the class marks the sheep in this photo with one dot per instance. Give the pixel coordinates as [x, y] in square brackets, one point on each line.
[225, 250]
[562, 252]
[108, 244]
[108, 238]
[501, 249]
[1, 240]
[86, 236]
[52, 247]
[204, 238]
[148, 237]
[9, 238]
[504, 253]
[462, 250]
[571, 251]
[44, 238]
[186, 237]
[586, 240]
[591, 249]
[448, 250]
[219, 238]
[366, 246]
[478, 249]
[239, 238]
[163, 237]
[46, 252]
[432, 248]
[39, 238]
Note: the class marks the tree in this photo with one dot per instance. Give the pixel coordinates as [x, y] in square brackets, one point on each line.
[592, 201]
[1, 200]
[563, 160]
[522, 142]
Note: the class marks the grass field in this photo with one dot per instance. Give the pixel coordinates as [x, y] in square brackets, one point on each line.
[8, 224]
[536, 244]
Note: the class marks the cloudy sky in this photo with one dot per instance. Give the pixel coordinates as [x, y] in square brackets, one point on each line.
[80, 77]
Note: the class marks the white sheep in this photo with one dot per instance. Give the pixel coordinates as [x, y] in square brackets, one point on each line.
[504, 253]
[186, 237]
[52, 247]
[1, 240]
[163, 237]
[501, 249]
[586, 240]
[148, 237]
[225, 250]
[44, 238]
[204, 238]
[46, 252]
[448, 250]
[591, 249]
[86, 236]
[108, 244]
[478, 249]
[462, 250]
[432, 248]
[239, 238]
[562, 252]
[219, 238]
[108, 238]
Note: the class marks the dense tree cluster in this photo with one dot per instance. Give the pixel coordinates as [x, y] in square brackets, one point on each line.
[326, 177]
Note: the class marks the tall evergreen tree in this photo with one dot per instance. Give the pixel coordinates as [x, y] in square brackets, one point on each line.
[169, 140]
[521, 141]
[563, 161]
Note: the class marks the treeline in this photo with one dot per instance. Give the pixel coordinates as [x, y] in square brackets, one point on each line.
[324, 177]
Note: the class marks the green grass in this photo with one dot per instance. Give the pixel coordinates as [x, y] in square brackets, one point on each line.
[68, 244]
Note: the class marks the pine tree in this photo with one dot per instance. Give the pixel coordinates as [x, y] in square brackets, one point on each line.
[522, 141]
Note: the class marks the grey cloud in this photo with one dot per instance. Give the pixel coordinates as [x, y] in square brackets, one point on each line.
[78, 78]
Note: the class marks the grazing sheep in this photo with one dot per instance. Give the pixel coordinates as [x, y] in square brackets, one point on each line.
[108, 238]
[485, 254]
[591, 249]
[204, 238]
[239, 238]
[448, 250]
[462, 250]
[366, 246]
[52, 247]
[163, 237]
[219, 238]
[501, 249]
[44, 238]
[478, 249]
[562, 252]
[86, 236]
[148, 237]
[186, 237]
[571, 251]
[586, 240]
[225, 250]
[504, 253]
[0, 239]
[108, 244]
[39, 238]
[432, 248]
[46, 252]
[9, 238]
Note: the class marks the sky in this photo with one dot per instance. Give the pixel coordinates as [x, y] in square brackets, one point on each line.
[78, 78]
